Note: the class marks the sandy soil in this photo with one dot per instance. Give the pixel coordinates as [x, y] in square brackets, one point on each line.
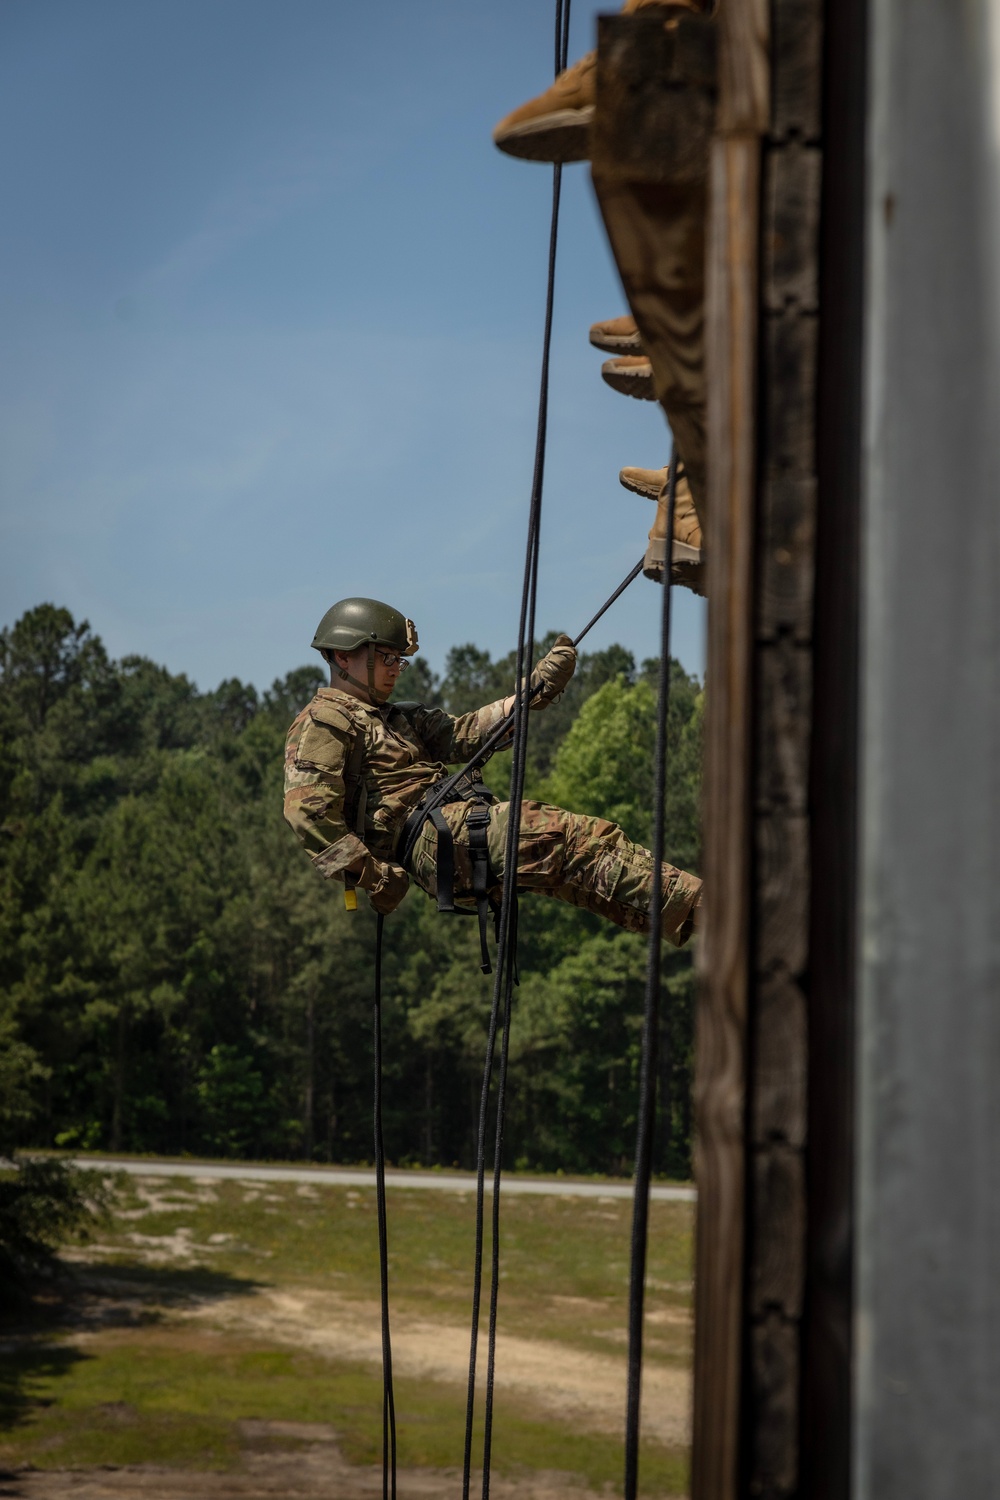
[578, 1387]
[581, 1387]
[587, 1388]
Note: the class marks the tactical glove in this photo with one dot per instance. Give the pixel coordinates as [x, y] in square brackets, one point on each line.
[386, 884]
[554, 672]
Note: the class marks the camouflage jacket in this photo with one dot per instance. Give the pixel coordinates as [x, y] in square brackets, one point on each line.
[353, 772]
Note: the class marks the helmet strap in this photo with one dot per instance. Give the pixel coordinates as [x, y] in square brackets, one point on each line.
[368, 687]
[377, 698]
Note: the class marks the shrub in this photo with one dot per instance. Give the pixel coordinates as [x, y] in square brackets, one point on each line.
[44, 1203]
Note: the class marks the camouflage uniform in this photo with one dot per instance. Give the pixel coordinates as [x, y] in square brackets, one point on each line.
[353, 772]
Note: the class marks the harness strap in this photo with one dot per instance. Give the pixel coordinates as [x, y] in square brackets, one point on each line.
[477, 823]
[356, 800]
[445, 861]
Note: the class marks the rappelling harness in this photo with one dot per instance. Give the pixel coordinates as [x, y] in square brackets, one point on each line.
[463, 785]
[468, 786]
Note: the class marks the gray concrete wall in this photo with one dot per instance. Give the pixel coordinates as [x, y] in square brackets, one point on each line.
[928, 1332]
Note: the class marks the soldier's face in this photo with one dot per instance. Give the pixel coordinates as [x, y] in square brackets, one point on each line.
[385, 676]
[356, 663]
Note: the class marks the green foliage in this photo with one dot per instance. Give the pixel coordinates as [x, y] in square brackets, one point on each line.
[605, 764]
[175, 977]
[232, 1096]
[43, 1203]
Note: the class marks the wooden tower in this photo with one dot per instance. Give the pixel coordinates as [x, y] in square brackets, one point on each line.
[802, 200]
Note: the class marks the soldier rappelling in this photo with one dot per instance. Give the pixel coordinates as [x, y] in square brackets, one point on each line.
[360, 772]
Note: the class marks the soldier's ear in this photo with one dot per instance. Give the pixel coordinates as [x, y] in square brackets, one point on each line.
[330, 657]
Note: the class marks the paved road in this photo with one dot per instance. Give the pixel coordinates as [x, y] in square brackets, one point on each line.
[449, 1182]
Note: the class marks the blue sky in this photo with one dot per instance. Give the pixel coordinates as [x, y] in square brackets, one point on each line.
[272, 310]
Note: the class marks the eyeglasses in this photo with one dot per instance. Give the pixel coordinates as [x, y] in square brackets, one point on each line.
[393, 659]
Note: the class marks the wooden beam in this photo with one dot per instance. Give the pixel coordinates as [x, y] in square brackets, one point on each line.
[721, 1041]
[783, 672]
[734, 343]
[649, 149]
[828, 1318]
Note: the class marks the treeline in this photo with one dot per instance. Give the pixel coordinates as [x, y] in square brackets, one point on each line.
[174, 977]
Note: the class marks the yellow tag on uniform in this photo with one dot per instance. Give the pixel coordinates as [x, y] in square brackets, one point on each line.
[351, 900]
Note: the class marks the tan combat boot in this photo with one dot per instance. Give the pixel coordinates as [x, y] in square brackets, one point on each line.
[555, 126]
[631, 374]
[647, 482]
[687, 563]
[616, 336]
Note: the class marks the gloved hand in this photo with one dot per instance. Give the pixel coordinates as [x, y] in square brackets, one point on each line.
[554, 672]
[386, 884]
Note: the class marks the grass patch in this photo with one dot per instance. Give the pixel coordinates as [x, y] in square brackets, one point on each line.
[564, 1261]
[175, 1396]
[159, 1387]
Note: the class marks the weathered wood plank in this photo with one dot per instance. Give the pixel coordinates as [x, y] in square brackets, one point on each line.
[786, 562]
[797, 67]
[650, 143]
[829, 1363]
[720, 1090]
[788, 395]
[781, 887]
[784, 687]
[656, 93]
[777, 1230]
[744, 67]
[658, 237]
[778, 1105]
[784, 499]
[778, 1085]
[774, 1413]
[792, 178]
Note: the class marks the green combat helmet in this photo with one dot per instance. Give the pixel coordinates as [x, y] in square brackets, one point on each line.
[364, 622]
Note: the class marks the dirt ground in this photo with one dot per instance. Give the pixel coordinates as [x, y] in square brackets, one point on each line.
[315, 1471]
[292, 1459]
[586, 1388]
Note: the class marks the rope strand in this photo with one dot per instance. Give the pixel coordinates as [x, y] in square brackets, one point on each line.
[507, 956]
[388, 1402]
[650, 1036]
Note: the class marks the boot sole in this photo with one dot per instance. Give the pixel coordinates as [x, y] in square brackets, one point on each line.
[686, 566]
[628, 343]
[639, 489]
[639, 386]
[684, 553]
[558, 138]
[689, 576]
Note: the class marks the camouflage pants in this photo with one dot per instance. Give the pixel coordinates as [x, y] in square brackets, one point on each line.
[588, 862]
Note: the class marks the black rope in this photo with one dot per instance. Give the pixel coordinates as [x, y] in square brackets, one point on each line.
[506, 969]
[608, 602]
[500, 1009]
[388, 1403]
[650, 1035]
[505, 976]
